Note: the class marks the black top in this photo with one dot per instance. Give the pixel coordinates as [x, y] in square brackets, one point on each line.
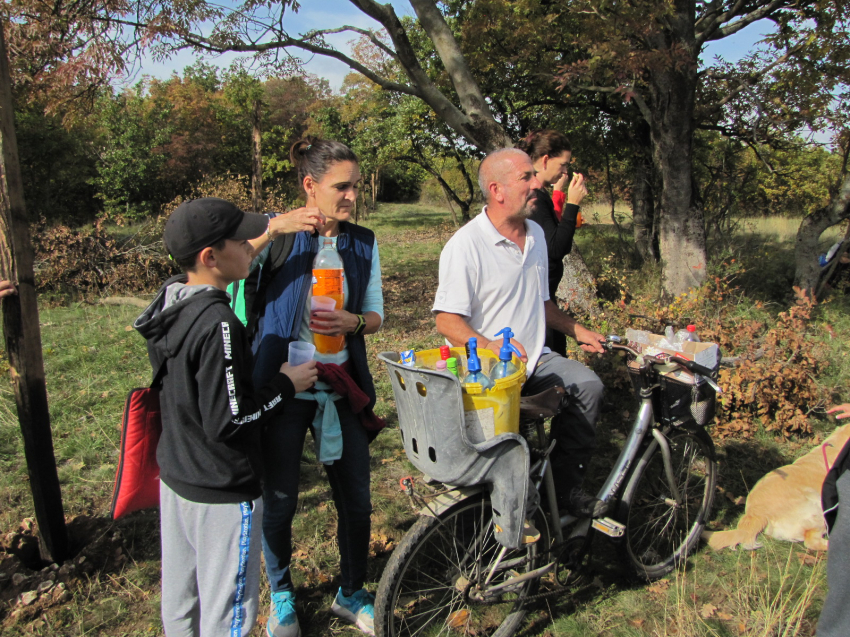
[559, 242]
[209, 451]
[559, 236]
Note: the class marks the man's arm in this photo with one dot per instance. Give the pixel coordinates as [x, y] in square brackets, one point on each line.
[589, 340]
[457, 332]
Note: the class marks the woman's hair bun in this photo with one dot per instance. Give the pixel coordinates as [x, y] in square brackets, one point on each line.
[314, 157]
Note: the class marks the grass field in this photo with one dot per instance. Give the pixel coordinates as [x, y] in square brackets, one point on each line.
[93, 358]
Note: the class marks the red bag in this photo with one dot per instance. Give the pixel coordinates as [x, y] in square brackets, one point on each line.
[137, 477]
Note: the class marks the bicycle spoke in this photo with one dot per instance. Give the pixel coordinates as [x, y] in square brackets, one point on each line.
[448, 557]
[661, 531]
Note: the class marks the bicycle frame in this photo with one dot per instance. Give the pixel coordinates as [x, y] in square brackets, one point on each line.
[643, 423]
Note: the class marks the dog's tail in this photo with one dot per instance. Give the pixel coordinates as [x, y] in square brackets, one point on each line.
[748, 530]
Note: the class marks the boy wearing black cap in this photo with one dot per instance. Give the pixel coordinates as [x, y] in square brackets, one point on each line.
[209, 451]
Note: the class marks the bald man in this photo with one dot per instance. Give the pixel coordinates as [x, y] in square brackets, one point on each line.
[494, 274]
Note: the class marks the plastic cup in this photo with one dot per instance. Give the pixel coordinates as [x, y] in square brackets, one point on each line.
[322, 304]
[300, 353]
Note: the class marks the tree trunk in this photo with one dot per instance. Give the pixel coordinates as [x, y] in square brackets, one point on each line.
[807, 271]
[481, 125]
[451, 207]
[23, 335]
[469, 187]
[577, 290]
[464, 212]
[256, 158]
[681, 227]
[374, 189]
[643, 202]
[420, 160]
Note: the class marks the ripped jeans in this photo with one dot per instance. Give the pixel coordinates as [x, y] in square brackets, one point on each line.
[283, 443]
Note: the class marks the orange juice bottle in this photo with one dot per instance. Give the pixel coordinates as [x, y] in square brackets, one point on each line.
[327, 281]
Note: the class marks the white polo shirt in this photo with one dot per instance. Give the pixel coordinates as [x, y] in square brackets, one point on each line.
[488, 280]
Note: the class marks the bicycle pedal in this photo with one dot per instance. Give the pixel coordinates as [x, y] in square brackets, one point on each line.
[609, 527]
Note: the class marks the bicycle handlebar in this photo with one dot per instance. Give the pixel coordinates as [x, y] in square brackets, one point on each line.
[691, 366]
[613, 342]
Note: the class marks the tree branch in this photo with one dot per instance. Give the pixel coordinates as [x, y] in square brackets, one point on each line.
[717, 18]
[473, 121]
[746, 20]
[637, 97]
[746, 83]
[364, 32]
[710, 11]
[203, 43]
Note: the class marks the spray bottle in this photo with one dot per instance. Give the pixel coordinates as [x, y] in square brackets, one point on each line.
[505, 366]
[475, 374]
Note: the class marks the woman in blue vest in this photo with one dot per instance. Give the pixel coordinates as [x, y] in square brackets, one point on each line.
[329, 175]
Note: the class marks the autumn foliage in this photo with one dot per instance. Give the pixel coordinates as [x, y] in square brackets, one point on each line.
[91, 262]
[773, 384]
[771, 364]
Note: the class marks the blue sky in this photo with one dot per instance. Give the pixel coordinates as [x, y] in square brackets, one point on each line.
[317, 14]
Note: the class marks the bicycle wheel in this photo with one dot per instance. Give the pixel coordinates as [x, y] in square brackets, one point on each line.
[436, 581]
[661, 532]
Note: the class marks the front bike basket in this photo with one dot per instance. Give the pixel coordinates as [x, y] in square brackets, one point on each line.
[683, 399]
[431, 419]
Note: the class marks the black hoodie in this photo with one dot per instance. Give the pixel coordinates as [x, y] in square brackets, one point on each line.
[209, 451]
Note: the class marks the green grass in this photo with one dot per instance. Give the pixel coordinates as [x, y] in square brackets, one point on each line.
[92, 360]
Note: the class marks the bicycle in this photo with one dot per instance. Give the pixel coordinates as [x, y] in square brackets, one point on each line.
[451, 574]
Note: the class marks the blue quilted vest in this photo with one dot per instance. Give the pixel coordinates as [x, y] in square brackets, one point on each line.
[286, 299]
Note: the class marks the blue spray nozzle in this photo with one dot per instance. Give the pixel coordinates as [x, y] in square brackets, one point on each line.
[473, 364]
[507, 349]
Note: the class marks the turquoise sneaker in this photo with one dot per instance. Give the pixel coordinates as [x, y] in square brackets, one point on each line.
[359, 609]
[283, 622]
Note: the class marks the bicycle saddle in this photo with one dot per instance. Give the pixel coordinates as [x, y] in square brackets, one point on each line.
[543, 405]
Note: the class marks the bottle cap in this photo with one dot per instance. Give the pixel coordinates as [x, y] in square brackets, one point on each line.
[441, 365]
[451, 365]
[691, 328]
[445, 352]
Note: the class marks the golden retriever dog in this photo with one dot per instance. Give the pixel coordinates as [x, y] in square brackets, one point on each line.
[786, 503]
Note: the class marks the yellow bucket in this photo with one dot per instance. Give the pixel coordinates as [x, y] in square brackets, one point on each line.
[495, 411]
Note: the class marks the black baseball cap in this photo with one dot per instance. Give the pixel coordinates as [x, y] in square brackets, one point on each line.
[199, 223]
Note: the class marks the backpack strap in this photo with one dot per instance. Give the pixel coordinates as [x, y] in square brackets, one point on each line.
[278, 254]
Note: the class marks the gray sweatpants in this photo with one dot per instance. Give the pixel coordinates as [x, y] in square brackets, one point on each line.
[835, 616]
[210, 566]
